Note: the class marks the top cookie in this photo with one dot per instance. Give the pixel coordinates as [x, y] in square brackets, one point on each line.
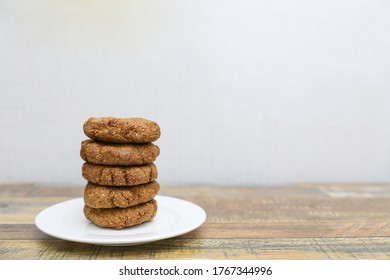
[115, 130]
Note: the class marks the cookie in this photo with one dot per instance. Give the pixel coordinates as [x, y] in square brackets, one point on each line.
[120, 218]
[119, 175]
[115, 130]
[118, 154]
[97, 196]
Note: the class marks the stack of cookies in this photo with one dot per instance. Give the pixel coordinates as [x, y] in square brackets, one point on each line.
[120, 171]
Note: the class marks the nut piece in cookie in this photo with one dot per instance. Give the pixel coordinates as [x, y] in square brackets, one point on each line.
[97, 196]
[120, 218]
[116, 130]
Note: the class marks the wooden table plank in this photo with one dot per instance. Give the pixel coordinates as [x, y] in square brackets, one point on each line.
[280, 222]
[182, 248]
[18, 231]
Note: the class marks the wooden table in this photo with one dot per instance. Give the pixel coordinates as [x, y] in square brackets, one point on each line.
[279, 222]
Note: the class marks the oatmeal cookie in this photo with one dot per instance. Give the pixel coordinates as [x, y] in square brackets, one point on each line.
[117, 130]
[118, 154]
[119, 175]
[97, 196]
[120, 218]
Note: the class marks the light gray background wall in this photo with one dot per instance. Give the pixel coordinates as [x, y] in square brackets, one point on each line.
[246, 92]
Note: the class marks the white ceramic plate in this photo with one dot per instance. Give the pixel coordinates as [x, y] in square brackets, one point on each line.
[66, 221]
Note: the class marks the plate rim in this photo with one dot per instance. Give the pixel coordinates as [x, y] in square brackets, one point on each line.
[137, 241]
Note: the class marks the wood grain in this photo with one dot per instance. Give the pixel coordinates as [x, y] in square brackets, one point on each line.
[279, 222]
